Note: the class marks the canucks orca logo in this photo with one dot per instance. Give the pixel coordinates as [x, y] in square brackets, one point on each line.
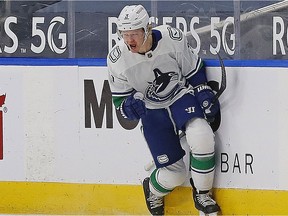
[160, 84]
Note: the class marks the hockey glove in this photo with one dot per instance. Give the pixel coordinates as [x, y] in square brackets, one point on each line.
[133, 107]
[205, 96]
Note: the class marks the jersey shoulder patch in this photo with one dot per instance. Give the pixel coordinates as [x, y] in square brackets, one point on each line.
[115, 54]
[174, 33]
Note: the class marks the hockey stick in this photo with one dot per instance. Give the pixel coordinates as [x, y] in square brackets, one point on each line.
[223, 80]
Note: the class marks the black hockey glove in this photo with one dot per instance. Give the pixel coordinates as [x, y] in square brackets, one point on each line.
[133, 107]
[205, 96]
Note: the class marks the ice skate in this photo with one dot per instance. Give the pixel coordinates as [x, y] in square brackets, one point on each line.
[205, 204]
[154, 204]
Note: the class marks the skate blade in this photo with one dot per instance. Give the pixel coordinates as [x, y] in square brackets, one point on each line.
[210, 214]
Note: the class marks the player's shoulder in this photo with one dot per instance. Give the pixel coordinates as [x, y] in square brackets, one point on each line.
[170, 33]
[116, 53]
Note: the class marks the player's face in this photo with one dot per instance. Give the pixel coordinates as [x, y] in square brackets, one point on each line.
[134, 39]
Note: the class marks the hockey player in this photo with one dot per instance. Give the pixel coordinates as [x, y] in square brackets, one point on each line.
[155, 76]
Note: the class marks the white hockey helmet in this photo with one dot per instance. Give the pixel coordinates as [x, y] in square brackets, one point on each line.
[133, 17]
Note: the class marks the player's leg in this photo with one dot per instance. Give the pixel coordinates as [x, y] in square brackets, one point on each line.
[200, 138]
[189, 117]
[164, 180]
[161, 182]
[162, 137]
[163, 142]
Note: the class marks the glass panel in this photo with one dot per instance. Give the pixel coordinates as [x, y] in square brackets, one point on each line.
[264, 30]
[28, 32]
[87, 29]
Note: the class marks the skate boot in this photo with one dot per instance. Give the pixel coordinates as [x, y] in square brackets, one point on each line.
[154, 204]
[204, 203]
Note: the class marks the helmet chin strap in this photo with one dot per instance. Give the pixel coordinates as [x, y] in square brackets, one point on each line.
[145, 39]
[129, 47]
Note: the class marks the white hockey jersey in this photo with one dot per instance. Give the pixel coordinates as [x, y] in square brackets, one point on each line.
[160, 75]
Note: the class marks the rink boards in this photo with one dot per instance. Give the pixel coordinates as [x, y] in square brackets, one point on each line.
[66, 151]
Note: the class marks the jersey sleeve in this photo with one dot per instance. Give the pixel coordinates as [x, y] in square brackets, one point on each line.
[191, 64]
[119, 86]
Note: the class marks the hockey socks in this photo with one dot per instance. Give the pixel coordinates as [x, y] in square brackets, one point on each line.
[202, 170]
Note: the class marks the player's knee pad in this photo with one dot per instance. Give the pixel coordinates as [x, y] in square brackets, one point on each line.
[200, 136]
[165, 179]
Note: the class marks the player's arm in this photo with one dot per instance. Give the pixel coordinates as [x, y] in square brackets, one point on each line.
[192, 66]
[117, 101]
[203, 92]
[124, 99]
[194, 70]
